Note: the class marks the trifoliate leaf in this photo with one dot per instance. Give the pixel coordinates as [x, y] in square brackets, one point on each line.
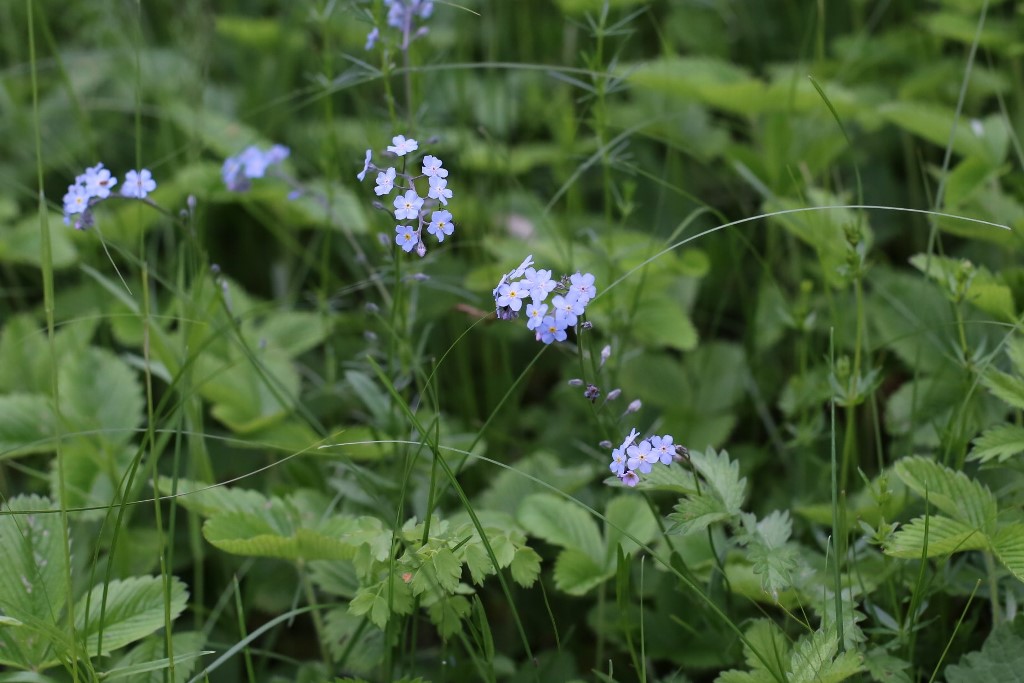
[134, 609]
[1001, 658]
[1001, 443]
[943, 536]
[952, 492]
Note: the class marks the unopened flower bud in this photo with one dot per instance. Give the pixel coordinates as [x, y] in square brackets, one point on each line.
[682, 453]
[606, 353]
[634, 406]
[370, 336]
[591, 393]
[587, 325]
[215, 268]
[605, 444]
[385, 240]
[419, 277]
[380, 207]
[372, 308]
[614, 394]
[576, 382]
[190, 202]
[421, 249]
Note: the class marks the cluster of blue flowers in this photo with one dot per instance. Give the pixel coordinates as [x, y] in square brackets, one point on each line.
[402, 15]
[95, 185]
[240, 170]
[409, 205]
[568, 305]
[630, 460]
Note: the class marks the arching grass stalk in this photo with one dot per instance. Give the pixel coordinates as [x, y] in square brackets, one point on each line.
[46, 261]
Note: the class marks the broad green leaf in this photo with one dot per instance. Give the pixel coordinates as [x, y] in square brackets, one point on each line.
[765, 638]
[628, 515]
[508, 488]
[27, 424]
[1001, 658]
[909, 313]
[1008, 546]
[341, 627]
[21, 244]
[1001, 443]
[944, 537]
[248, 398]
[100, 395]
[20, 339]
[562, 523]
[1009, 388]
[672, 477]
[209, 500]
[91, 475]
[576, 573]
[293, 332]
[525, 566]
[883, 666]
[952, 492]
[814, 660]
[134, 609]
[985, 291]
[274, 535]
[705, 79]
[661, 321]
[934, 123]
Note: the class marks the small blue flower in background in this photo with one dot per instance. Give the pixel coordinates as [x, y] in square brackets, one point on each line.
[385, 182]
[366, 165]
[405, 237]
[540, 283]
[138, 184]
[98, 181]
[251, 163]
[567, 308]
[663, 446]
[630, 479]
[583, 285]
[618, 466]
[511, 296]
[440, 225]
[407, 206]
[400, 145]
[631, 460]
[641, 457]
[371, 40]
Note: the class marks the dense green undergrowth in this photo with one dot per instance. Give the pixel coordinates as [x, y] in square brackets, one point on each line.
[249, 433]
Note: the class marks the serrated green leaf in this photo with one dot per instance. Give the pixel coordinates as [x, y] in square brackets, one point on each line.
[952, 492]
[1001, 658]
[209, 500]
[248, 398]
[447, 614]
[525, 566]
[944, 537]
[27, 424]
[447, 569]
[721, 495]
[100, 395]
[1009, 388]
[562, 523]
[148, 658]
[1001, 443]
[134, 609]
[274, 534]
[768, 550]
[373, 601]
[885, 667]
[576, 572]
[766, 639]
[477, 561]
[814, 660]
[1008, 546]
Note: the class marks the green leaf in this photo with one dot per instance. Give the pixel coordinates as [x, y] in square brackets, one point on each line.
[934, 123]
[209, 500]
[373, 600]
[275, 534]
[952, 492]
[134, 610]
[1008, 546]
[662, 321]
[447, 614]
[21, 244]
[447, 569]
[720, 497]
[101, 395]
[32, 584]
[944, 537]
[576, 572]
[1001, 658]
[1001, 443]
[562, 523]
[629, 515]
[773, 559]
[27, 424]
[248, 398]
[814, 660]
[1009, 388]
[525, 566]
